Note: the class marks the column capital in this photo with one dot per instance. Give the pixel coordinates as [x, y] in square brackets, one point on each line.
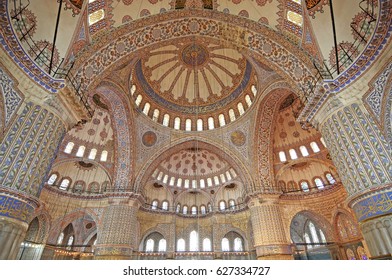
[262, 199]
[17, 205]
[372, 203]
[126, 198]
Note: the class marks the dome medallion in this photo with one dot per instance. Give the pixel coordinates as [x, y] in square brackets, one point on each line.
[194, 55]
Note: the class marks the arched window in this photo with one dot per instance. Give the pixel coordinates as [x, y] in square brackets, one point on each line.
[194, 184]
[225, 245]
[165, 205]
[194, 210]
[313, 233]
[193, 241]
[282, 156]
[199, 125]
[138, 100]
[222, 205]
[319, 183]
[104, 155]
[60, 239]
[323, 142]
[202, 183]
[216, 180]
[185, 210]
[180, 245]
[155, 115]
[248, 100]
[238, 246]
[92, 154]
[240, 107]
[228, 176]
[186, 183]
[232, 115]
[150, 245]
[166, 119]
[146, 108]
[69, 147]
[188, 125]
[162, 245]
[70, 242]
[209, 206]
[133, 89]
[179, 182]
[206, 245]
[222, 178]
[165, 178]
[222, 121]
[177, 123]
[322, 235]
[64, 184]
[160, 175]
[171, 182]
[154, 205]
[203, 210]
[293, 154]
[178, 208]
[330, 178]
[307, 240]
[211, 124]
[304, 151]
[254, 90]
[304, 186]
[231, 204]
[232, 171]
[52, 179]
[209, 182]
[315, 147]
[80, 151]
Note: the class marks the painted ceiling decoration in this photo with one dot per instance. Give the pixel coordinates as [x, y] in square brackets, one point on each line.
[193, 78]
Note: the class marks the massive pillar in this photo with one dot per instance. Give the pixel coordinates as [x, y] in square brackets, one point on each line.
[268, 231]
[26, 153]
[363, 158]
[118, 230]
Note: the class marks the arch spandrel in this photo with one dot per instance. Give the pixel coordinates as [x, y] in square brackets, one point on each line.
[254, 39]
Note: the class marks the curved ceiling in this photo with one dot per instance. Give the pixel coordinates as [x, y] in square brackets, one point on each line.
[195, 79]
[194, 168]
[194, 73]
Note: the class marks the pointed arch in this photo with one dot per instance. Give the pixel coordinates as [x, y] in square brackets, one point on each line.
[122, 124]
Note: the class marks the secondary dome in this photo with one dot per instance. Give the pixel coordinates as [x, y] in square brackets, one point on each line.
[194, 168]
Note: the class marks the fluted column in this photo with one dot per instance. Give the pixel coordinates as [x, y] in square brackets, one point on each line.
[26, 153]
[363, 158]
[118, 231]
[268, 231]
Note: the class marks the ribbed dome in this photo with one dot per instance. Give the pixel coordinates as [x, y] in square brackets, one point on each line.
[192, 166]
[193, 73]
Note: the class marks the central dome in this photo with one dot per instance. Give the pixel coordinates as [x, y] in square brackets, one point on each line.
[193, 74]
[193, 84]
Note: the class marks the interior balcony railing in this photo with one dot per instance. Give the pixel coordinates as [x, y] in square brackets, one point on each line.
[44, 55]
[346, 56]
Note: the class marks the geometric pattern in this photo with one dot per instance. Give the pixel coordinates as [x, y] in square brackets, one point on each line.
[11, 97]
[375, 98]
